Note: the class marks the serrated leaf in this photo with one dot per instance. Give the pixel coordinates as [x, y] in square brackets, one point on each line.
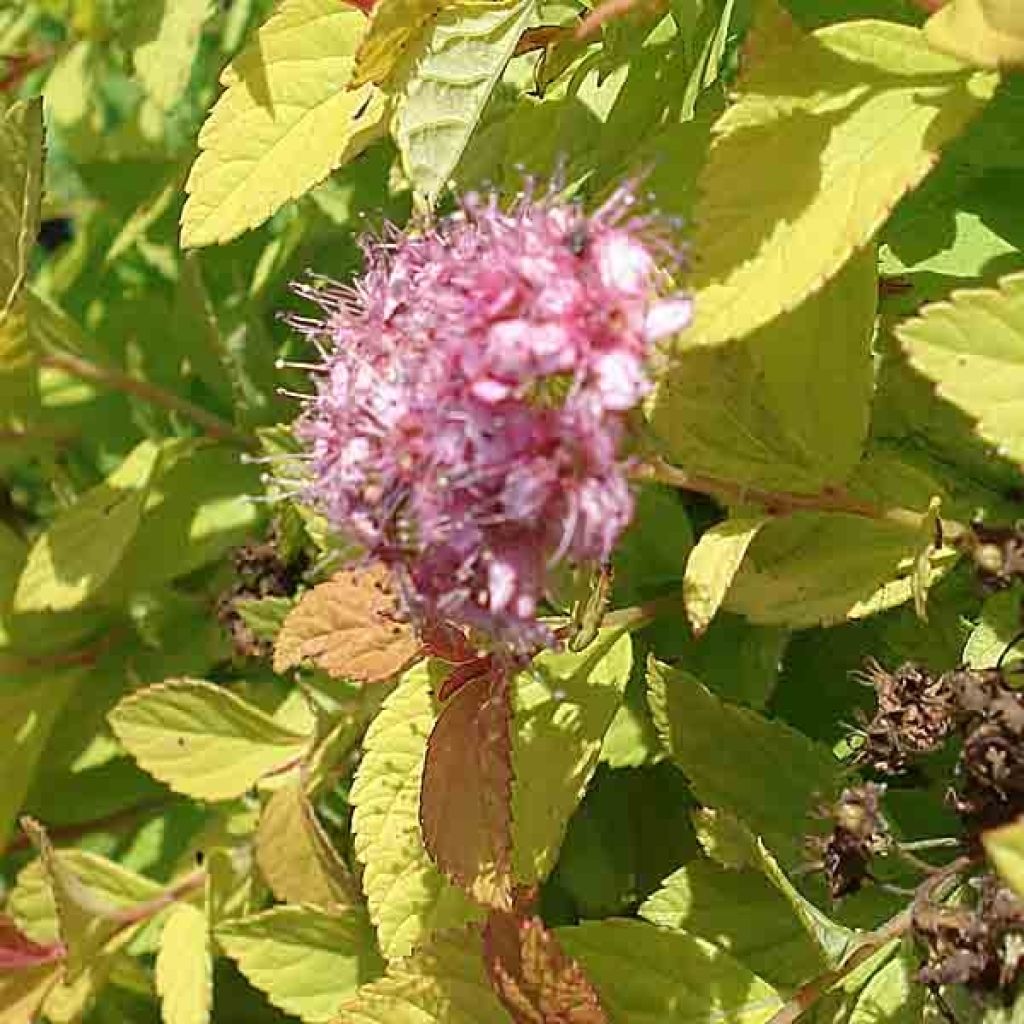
[202, 740]
[407, 896]
[643, 973]
[21, 182]
[306, 960]
[779, 408]
[712, 565]
[972, 349]
[464, 54]
[349, 628]
[562, 707]
[80, 550]
[763, 771]
[741, 911]
[89, 919]
[184, 967]
[989, 33]
[295, 856]
[1005, 849]
[163, 63]
[285, 121]
[28, 711]
[815, 568]
[467, 789]
[861, 109]
[442, 983]
[532, 975]
[394, 33]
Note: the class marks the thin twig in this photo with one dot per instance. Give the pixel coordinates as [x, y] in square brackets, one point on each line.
[106, 376]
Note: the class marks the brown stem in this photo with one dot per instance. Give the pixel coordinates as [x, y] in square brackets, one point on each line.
[939, 885]
[184, 886]
[106, 376]
[781, 503]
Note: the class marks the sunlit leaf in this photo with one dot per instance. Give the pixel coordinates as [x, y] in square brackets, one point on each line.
[184, 967]
[1005, 849]
[164, 61]
[985, 32]
[21, 182]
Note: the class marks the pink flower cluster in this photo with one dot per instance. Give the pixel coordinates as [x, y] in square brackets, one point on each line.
[469, 414]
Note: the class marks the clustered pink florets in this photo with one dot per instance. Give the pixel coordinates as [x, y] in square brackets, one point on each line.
[468, 419]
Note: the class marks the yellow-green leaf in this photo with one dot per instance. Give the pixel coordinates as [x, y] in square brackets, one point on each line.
[184, 967]
[294, 854]
[285, 121]
[989, 33]
[163, 62]
[395, 31]
[202, 740]
[21, 181]
[466, 50]
[442, 983]
[85, 543]
[643, 973]
[23, 992]
[406, 894]
[840, 125]
[972, 349]
[1005, 849]
[712, 565]
[305, 960]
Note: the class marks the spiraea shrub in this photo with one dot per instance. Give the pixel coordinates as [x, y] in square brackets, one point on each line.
[512, 511]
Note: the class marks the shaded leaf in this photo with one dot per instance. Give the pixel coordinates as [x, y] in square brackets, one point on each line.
[18, 952]
[21, 182]
[532, 975]
[989, 33]
[999, 626]
[22, 993]
[466, 791]
[305, 960]
[893, 995]
[763, 771]
[285, 121]
[202, 740]
[348, 627]
[645, 973]
[842, 123]
[712, 565]
[295, 856]
[164, 62]
[392, 38]
[464, 54]
[972, 349]
[184, 967]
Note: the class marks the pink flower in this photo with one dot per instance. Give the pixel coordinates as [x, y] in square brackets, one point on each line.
[468, 421]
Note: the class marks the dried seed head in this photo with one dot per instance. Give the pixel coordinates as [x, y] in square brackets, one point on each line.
[860, 832]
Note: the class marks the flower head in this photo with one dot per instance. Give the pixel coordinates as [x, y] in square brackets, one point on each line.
[468, 420]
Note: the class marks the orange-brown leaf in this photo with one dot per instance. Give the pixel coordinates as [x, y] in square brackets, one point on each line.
[348, 627]
[466, 792]
[536, 980]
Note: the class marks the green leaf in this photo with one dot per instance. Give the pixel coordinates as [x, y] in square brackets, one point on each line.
[407, 896]
[163, 62]
[23, 992]
[780, 408]
[202, 740]
[644, 973]
[972, 349]
[184, 967]
[1005, 849]
[295, 856]
[815, 568]
[285, 121]
[305, 960]
[893, 995]
[989, 33]
[468, 46]
[442, 983]
[264, 616]
[562, 707]
[713, 564]
[80, 550]
[841, 124]
[393, 37]
[21, 183]
[763, 771]
[28, 710]
[1000, 624]
[743, 913]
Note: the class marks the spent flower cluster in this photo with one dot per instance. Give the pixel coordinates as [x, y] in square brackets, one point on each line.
[469, 419]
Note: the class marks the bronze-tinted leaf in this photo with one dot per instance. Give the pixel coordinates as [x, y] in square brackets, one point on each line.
[349, 627]
[466, 791]
[536, 980]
